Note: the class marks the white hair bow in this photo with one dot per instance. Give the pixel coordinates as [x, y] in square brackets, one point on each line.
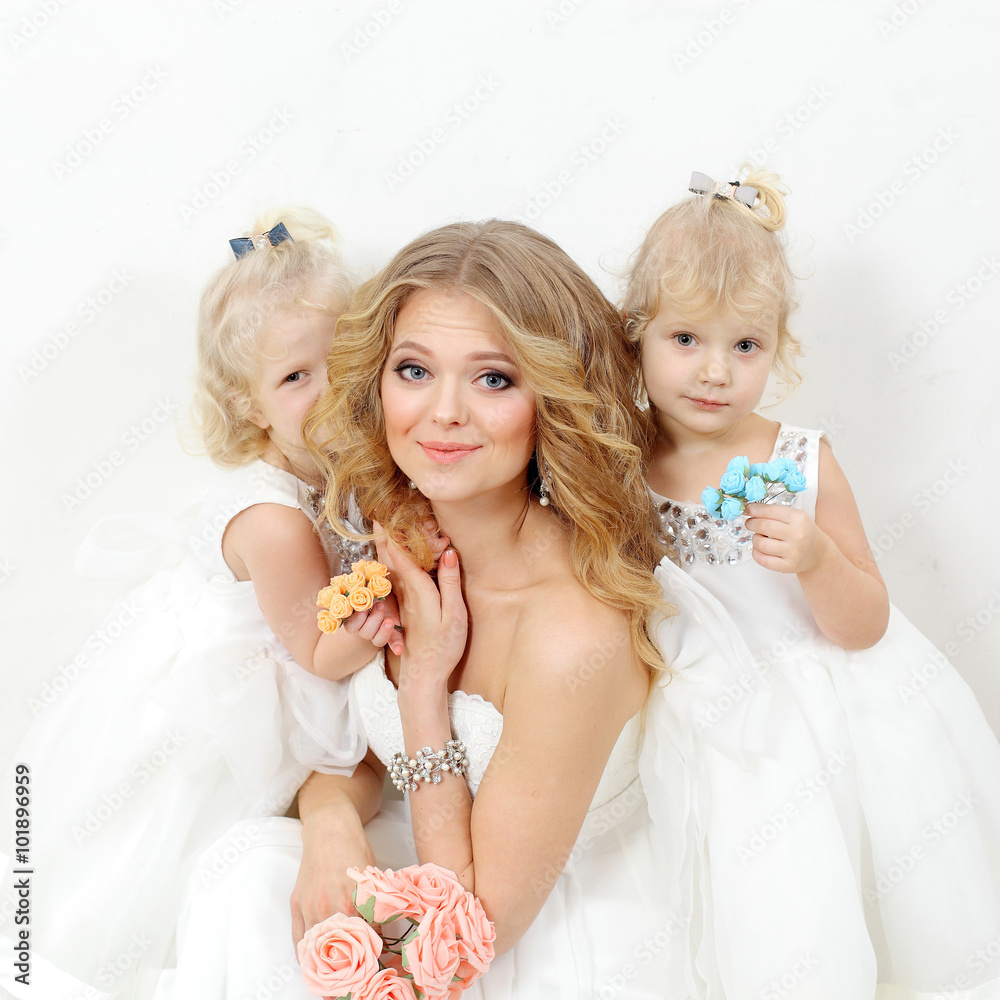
[703, 184]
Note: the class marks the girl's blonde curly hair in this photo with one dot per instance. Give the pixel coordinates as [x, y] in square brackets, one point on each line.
[238, 303]
[705, 254]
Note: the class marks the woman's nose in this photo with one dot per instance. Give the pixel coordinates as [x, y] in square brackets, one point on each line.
[449, 403]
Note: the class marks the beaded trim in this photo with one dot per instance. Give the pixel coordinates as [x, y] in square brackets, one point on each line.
[350, 550]
[406, 774]
[696, 536]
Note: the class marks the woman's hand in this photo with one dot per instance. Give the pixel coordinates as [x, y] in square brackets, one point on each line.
[394, 638]
[435, 618]
[785, 539]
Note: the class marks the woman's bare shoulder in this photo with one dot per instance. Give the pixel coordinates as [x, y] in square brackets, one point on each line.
[569, 635]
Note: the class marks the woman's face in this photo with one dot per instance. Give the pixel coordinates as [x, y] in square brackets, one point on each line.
[459, 419]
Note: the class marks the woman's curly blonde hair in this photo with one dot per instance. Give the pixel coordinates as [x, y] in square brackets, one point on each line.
[568, 343]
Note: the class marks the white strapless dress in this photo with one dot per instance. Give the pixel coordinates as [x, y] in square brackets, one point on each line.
[604, 931]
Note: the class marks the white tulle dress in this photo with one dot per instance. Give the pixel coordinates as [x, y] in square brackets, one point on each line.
[853, 838]
[186, 716]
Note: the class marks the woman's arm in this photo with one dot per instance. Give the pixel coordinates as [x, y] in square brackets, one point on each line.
[333, 810]
[563, 711]
[830, 556]
[277, 548]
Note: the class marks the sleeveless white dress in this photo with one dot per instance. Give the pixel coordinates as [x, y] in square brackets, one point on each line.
[186, 716]
[856, 840]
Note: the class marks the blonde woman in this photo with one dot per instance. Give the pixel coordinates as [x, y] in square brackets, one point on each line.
[482, 383]
[476, 382]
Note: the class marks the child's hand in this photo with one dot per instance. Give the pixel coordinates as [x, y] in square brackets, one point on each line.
[785, 539]
[437, 542]
[379, 625]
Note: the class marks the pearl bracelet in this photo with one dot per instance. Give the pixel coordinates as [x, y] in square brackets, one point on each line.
[428, 766]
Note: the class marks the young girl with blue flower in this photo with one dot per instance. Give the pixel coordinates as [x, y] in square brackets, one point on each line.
[848, 840]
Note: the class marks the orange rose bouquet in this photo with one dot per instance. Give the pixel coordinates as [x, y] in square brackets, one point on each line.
[446, 943]
[358, 590]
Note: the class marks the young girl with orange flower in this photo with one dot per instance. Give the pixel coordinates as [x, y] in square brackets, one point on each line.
[223, 696]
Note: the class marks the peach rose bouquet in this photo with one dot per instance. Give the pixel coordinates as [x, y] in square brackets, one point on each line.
[445, 945]
[358, 590]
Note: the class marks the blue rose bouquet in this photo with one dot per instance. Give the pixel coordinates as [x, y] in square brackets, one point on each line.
[743, 483]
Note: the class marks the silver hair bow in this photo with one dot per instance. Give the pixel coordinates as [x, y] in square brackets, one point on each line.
[703, 184]
[244, 244]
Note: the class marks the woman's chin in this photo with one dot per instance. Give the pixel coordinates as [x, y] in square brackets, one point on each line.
[449, 495]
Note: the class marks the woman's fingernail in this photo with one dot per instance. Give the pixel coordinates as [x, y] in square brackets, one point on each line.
[450, 558]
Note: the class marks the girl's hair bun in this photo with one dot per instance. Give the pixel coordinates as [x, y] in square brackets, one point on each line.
[304, 225]
[770, 205]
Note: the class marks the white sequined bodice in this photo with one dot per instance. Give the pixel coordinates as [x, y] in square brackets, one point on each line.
[697, 536]
[478, 724]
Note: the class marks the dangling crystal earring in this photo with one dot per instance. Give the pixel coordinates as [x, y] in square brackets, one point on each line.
[543, 491]
[543, 494]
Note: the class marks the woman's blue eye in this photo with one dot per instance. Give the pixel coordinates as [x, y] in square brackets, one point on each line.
[412, 373]
[494, 380]
[746, 347]
[684, 339]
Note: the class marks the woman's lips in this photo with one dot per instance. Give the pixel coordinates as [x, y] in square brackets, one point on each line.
[445, 452]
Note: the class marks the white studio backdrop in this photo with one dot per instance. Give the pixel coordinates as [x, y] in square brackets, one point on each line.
[141, 136]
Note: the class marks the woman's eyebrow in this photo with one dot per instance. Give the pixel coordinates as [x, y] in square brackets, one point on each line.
[412, 345]
[490, 356]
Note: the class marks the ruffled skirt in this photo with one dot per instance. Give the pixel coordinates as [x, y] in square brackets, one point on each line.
[833, 823]
[186, 717]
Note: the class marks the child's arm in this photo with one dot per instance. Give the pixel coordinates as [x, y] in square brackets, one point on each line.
[830, 556]
[277, 548]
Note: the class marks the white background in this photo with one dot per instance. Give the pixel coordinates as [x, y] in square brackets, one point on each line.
[584, 119]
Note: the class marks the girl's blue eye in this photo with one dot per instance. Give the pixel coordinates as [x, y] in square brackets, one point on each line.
[684, 339]
[746, 347]
[494, 380]
[294, 377]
